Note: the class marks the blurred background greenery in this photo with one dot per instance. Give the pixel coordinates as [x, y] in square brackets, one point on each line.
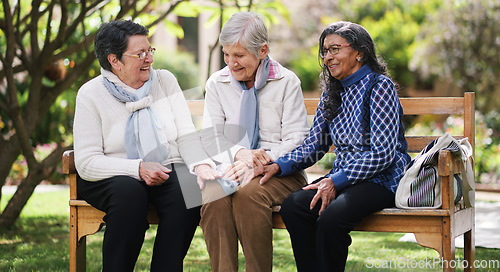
[431, 47]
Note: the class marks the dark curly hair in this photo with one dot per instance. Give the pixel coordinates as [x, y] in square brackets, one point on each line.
[112, 38]
[360, 40]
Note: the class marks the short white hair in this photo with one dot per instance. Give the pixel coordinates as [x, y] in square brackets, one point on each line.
[247, 29]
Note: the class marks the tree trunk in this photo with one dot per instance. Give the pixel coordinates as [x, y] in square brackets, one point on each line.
[20, 198]
[27, 187]
[10, 152]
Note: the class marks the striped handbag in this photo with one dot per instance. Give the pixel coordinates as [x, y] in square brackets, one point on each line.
[421, 185]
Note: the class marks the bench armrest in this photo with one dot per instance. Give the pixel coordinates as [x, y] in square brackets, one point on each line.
[68, 162]
[448, 166]
[68, 167]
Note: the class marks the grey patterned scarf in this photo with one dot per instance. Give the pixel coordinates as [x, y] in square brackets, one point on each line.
[142, 140]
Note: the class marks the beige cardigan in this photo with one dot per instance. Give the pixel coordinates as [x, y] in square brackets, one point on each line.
[282, 115]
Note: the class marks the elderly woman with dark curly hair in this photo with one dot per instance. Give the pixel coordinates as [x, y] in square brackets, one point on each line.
[360, 114]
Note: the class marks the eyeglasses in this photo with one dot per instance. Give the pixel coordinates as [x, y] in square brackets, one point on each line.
[142, 55]
[334, 50]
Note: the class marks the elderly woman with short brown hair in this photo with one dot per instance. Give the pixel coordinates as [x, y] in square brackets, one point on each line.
[135, 145]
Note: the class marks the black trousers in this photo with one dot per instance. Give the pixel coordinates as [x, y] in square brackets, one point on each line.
[320, 243]
[125, 201]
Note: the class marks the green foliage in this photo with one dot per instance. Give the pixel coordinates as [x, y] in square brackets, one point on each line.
[487, 143]
[272, 10]
[392, 34]
[181, 64]
[326, 162]
[393, 25]
[307, 67]
[49, 131]
[47, 55]
[461, 42]
[487, 147]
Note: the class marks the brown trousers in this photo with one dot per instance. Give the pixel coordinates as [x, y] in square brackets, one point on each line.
[246, 215]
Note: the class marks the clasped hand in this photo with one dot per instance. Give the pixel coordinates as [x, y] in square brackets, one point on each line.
[153, 173]
[248, 164]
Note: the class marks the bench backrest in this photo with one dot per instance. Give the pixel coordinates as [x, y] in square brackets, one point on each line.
[461, 106]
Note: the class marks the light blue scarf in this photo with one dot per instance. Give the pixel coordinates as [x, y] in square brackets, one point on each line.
[249, 107]
[142, 140]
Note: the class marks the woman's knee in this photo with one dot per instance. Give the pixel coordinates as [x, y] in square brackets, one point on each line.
[295, 202]
[337, 218]
[128, 195]
[250, 194]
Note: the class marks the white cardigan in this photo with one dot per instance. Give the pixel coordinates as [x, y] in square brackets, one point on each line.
[282, 115]
[99, 129]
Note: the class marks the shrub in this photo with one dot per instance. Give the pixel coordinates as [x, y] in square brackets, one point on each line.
[487, 145]
[305, 65]
[181, 64]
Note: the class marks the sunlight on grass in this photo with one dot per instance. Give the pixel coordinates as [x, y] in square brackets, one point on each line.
[39, 242]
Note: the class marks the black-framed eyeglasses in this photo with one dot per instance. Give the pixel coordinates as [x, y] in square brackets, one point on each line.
[142, 55]
[334, 49]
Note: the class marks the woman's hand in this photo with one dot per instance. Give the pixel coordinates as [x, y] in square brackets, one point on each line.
[269, 171]
[204, 172]
[153, 173]
[253, 158]
[326, 192]
[239, 172]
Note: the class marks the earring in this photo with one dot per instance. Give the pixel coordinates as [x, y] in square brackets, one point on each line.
[359, 59]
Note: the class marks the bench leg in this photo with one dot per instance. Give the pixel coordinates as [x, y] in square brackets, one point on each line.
[80, 256]
[77, 248]
[449, 262]
[469, 250]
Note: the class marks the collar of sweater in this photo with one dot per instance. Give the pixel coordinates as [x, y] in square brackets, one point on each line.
[356, 76]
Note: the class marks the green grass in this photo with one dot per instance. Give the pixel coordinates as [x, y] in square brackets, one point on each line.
[39, 242]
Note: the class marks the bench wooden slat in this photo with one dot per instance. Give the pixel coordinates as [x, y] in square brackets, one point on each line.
[401, 223]
[417, 143]
[411, 106]
[433, 105]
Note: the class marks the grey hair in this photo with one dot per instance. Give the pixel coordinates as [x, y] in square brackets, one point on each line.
[247, 29]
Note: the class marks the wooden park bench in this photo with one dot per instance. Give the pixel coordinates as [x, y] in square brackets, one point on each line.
[433, 228]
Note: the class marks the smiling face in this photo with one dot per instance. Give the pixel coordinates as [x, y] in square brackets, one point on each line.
[130, 69]
[344, 63]
[242, 63]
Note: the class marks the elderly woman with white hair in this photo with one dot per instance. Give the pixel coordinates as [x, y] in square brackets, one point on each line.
[254, 113]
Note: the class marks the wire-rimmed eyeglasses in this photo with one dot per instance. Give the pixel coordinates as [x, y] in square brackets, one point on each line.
[142, 55]
[334, 50]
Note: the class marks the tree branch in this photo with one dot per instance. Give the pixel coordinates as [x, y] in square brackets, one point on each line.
[84, 12]
[48, 28]
[212, 48]
[61, 34]
[165, 14]
[33, 28]
[52, 93]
